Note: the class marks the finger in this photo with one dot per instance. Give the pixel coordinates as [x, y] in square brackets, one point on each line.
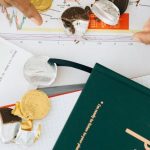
[147, 26]
[143, 37]
[3, 3]
[27, 9]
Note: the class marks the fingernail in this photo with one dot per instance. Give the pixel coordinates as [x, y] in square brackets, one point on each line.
[34, 20]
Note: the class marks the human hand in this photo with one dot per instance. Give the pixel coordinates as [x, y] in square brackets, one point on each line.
[26, 8]
[144, 36]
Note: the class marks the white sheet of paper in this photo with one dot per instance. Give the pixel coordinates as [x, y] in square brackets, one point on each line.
[52, 125]
[12, 82]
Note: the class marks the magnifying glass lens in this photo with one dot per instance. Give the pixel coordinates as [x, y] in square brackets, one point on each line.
[38, 72]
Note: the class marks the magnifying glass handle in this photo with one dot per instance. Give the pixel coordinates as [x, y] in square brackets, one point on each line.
[66, 63]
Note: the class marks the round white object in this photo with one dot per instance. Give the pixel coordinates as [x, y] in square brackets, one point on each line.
[106, 11]
[39, 72]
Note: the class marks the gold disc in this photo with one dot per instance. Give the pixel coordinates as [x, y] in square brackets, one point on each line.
[35, 105]
[41, 5]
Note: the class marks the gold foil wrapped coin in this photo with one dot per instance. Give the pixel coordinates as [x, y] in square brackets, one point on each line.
[17, 111]
[27, 125]
[35, 105]
[42, 5]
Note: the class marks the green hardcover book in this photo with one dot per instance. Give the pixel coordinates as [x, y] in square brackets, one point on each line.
[112, 113]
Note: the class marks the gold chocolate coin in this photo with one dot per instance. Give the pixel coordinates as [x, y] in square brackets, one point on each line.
[41, 5]
[27, 125]
[35, 105]
[17, 111]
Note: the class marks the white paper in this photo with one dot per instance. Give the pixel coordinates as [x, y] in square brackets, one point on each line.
[12, 82]
[52, 125]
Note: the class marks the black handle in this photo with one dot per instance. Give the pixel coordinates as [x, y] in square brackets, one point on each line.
[66, 63]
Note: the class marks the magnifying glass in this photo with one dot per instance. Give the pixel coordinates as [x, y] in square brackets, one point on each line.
[41, 71]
